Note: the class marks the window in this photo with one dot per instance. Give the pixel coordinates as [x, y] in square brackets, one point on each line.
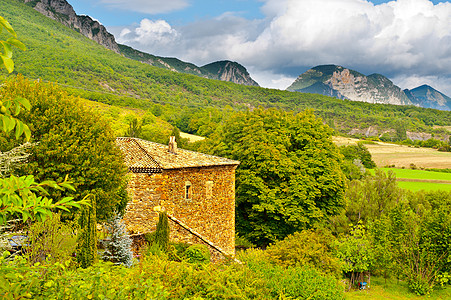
[208, 189]
[188, 190]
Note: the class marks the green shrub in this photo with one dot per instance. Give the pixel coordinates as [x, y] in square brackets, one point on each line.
[307, 248]
[176, 251]
[87, 238]
[51, 241]
[197, 253]
[297, 282]
[242, 242]
[420, 285]
[208, 281]
[56, 281]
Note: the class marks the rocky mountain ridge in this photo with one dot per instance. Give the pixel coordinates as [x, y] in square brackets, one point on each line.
[229, 71]
[428, 97]
[63, 12]
[221, 70]
[343, 83]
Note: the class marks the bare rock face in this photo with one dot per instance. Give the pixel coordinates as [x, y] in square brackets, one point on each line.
[229, 71]
[336, 81]
[63, 12]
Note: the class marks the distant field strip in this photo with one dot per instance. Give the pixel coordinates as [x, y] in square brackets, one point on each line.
[419, 174]
[416, 180]
[426, 186]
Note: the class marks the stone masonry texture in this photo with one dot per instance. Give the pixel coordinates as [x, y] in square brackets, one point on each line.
[196, 189]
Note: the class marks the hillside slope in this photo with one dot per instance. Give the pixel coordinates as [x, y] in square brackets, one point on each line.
[63, 12]
[83, 67]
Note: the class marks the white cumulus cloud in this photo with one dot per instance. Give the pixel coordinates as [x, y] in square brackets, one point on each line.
[147, 6]
[149, 35]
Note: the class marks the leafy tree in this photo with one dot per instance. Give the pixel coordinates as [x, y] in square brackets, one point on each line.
[134, 128]
[369, 199]
[289, 178]
[23, 195]
[71, 141]
[413, 240]
[359, 151]
[51, 241]
[356, 251]
[308, 248]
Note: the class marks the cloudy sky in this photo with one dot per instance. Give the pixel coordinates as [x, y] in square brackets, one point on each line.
[408, 41]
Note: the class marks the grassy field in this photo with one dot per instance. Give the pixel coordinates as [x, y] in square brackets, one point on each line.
[386, 154]
[420, 174]
[426, 186]
[395, 290]
[417, 180]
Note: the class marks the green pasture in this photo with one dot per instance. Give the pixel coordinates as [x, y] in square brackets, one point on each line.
[426, 177]
[426, 186]
[394, 289]
[418, 174]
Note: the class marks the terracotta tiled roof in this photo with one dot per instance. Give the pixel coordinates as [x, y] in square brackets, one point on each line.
[145, 156]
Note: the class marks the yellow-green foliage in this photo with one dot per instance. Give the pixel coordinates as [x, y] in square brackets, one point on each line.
[291, 282]
[119, 118]
[51, 241]
[71, 140]
[197, 254]
[307, 248]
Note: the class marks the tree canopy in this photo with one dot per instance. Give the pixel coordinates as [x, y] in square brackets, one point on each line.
[71, 141]
[289, 177]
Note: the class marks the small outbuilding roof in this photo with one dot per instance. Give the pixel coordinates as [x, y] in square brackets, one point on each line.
[143, 156]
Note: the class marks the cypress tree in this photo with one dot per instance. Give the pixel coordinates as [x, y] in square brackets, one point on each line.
[162, 231]
[87, 239]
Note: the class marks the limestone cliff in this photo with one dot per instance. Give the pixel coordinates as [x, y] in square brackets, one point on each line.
[229, 71]
[62, 11]
[344, 83]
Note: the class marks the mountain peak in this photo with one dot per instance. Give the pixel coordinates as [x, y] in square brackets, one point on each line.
[427, 96]
[344, 83]
[227, 70]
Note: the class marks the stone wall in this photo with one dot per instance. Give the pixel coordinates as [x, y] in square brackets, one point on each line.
[209, 209]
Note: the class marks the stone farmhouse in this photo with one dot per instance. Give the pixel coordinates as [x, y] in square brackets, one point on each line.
[196, 190]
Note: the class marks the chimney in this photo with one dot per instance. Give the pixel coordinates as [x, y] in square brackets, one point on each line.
[172, 145]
